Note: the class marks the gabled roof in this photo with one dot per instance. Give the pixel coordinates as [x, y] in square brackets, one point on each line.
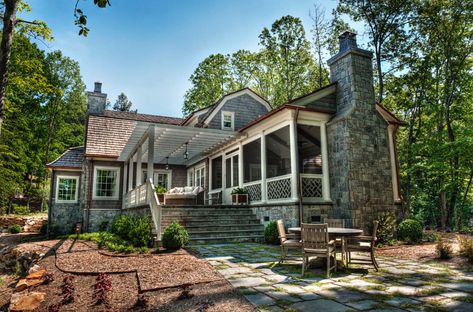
[214, 108]
[389, 116]
[315, 95]
[107, 133]
[70, 159]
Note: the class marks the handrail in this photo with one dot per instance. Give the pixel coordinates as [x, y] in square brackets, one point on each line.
[155, 207]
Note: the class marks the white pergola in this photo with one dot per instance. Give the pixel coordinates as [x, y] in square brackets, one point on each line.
[163, 143]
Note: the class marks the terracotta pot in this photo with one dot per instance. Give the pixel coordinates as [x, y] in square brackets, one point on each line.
[240, 199]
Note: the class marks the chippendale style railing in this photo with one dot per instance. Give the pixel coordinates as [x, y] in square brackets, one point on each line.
[145, 195]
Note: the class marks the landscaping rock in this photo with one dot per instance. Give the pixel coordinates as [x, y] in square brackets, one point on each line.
[34, 268]
[24, 301]
[37, 275]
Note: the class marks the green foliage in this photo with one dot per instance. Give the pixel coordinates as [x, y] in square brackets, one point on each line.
[43, 230]
[271, 234]
[432, 237]
[386, 228]
[136, 230]
[103, 226]
[175, 236]
[160, 189]
[122, 104]
[15, 229]
[108, 240]
[410, 231]
[444, 249]
[21, 210]
[239, 190]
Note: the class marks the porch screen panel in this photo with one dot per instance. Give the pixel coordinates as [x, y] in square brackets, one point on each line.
[216, 173]
[278, 153]
[310, 151]
[252, 161]
[228, 172]
[235, 170]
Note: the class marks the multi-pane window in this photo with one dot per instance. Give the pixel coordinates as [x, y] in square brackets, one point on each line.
[190, 177]
[227, 120]
[216, 173]
[67, 189]
[200, 177]
[106, 183]
[162, 179]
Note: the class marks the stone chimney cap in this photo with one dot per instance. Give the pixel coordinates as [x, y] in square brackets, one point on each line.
[347, 41]
[98, 87]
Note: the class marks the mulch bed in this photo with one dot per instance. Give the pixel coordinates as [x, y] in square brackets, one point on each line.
[161, 278]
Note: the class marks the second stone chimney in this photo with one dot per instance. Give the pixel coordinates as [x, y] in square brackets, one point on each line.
[96, 100]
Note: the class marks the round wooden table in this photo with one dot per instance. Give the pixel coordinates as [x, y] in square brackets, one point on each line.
[333, 233]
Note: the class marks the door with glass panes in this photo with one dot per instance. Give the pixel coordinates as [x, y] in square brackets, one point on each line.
[231, 176]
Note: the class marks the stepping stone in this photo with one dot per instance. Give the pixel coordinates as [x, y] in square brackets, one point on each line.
[363, 304]
[248, 282]
[455, 294]
[459, 286]
[320, 305]
[350, 296]
[459, 306]
[290, 288]
[397, 301]
[259, 299]
[280, 295]
[404, 290]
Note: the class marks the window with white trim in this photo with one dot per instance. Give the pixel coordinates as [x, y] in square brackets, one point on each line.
[67, 189]
[106, 181]
[228, 119]
[161, 178]
[200, 177]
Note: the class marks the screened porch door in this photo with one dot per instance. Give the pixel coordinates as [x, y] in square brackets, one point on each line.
[231, 176]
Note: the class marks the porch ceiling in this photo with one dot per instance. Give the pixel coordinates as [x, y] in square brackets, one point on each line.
[170, 142]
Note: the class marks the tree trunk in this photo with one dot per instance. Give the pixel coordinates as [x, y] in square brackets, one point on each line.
[380, 75]
[443, 210]
[465, 195]
[9, 18]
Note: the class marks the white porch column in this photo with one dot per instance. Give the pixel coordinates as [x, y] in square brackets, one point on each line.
[130, 174]
[264, 189]
[125, 176]
[294, 173]
[240, 165]
[150, 168]
[139, 155]
[325, 173]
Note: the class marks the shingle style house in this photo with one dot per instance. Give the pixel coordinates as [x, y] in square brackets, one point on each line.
[329, 153]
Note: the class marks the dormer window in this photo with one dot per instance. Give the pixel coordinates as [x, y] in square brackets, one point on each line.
[228, 120]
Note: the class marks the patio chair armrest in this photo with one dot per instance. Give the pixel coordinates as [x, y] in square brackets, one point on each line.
[293, 236]
[362, 238]
[332, 242]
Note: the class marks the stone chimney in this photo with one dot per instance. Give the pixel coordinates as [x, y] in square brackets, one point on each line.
[357, 137]
[352, 68]
[96, 100]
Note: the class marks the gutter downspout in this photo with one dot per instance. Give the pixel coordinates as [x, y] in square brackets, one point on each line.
[89, 196]
[297, 175]
[50, 204]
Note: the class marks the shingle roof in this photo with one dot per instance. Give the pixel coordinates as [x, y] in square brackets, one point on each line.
[143, 117]
[72, 158]
[108, 132]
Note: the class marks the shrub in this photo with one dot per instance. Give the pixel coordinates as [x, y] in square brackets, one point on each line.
[133, 229]
[432, 237]
[103, 226]
[14, 229]
[271, 235]
[410, 231]
[43, 230]
[386, 228]
[175, 236]
[21, 210]
[466, 247]
[444, 250]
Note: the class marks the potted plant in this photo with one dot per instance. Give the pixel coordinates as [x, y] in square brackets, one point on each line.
[239, 196]
[160, 191]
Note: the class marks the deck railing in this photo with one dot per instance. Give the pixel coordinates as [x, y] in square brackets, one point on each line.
[145, 195]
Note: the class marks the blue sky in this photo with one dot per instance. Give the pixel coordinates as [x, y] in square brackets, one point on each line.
[149, 48]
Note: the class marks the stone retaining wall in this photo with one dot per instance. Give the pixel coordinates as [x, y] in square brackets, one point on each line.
[29, 224]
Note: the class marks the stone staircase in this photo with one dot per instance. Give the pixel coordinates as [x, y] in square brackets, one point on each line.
[215, 224]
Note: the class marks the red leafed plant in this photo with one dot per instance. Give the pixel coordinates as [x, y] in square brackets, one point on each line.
[102, 287]
[48, 277]
[68, 289]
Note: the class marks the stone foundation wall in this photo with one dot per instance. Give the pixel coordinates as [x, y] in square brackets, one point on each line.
[98, 217]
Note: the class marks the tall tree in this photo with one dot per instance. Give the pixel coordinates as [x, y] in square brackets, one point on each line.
[210, 81]
[122, 104]
[289, 50]
[320, 36]
[386, 22]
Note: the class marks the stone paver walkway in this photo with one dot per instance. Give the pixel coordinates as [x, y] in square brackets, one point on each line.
[400, 285]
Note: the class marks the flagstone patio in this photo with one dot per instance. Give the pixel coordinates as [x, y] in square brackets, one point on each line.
[400, 285]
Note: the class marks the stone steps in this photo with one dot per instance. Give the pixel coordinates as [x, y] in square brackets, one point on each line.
[210, 224]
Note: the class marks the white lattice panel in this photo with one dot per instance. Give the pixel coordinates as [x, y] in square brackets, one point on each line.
[254, 192]
[279, 189]
[311, 187]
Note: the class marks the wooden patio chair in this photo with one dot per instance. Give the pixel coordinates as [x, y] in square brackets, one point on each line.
[315, 242]
[288, 241]
[363, 244]
[337, 223]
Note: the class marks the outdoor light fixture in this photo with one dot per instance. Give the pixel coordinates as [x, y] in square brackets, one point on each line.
[186, 153]
[167, 163]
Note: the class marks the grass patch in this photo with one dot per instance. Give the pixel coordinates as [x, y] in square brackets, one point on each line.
[109, 241]
[376, 287]
[2, 282]
[431, 291]
[246, 291]
[283, 302]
